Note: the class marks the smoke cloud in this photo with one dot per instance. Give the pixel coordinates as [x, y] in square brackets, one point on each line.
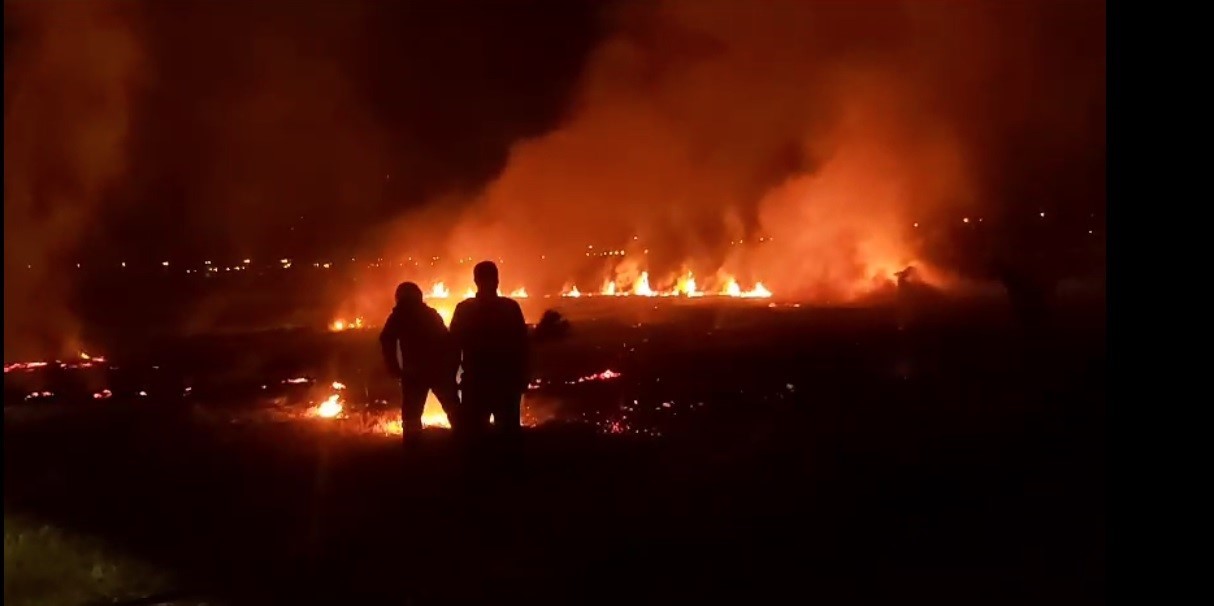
[795, 143]
[69, 72]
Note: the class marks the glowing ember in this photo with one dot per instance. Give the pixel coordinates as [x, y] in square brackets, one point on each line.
[602, 376]
[87, 361]
[104, 394]
[606, 375]
[25, 366]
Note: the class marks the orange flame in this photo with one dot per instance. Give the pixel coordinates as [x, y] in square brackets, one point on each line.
[439, 291]
[340, 325]
[642, 286]
[330, 408]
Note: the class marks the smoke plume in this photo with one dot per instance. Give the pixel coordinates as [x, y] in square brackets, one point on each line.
[797, 143]
[69, 71]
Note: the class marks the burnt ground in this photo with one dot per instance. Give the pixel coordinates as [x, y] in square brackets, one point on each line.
[820, 454]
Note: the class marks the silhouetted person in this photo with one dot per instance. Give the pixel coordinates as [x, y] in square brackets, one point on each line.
[492, 339]
[418, 349]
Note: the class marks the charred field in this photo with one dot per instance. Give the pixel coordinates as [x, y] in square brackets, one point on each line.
[744, 449]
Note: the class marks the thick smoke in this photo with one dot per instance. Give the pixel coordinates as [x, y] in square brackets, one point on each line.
[69, 72]
[792, 142]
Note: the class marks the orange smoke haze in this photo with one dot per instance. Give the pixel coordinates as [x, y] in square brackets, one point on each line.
[797, 144]
[630, 147]
[67, 89]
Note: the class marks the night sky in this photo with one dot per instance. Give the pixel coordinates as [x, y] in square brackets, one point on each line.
[275, 127]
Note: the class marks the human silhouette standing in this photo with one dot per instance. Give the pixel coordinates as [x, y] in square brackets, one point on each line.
[418, 350]
[491, 335]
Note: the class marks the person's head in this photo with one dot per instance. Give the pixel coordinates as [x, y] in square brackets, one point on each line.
[485, 276]
[408, 292]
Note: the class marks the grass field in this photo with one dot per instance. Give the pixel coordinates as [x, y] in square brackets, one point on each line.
[44, 565]
[839, 456]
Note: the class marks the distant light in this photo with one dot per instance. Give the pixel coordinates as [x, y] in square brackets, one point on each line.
[165, 263]
[124, 263]
[916, 224]
[77, 266]
[284, 260]
[206, 262]
[1089, 231]
[966, 220]
[1043, 214]
[247, 261]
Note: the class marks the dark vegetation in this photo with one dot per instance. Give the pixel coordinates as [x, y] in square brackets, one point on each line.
[832, 455]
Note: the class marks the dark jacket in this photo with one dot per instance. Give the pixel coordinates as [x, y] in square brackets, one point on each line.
[491, 335]
[415, 342]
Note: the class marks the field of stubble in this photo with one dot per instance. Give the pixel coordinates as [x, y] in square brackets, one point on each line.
[838, 455]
